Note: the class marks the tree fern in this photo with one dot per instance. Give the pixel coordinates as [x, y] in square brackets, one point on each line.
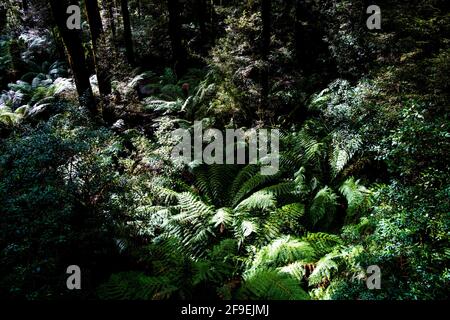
[271, 285]
[358, 197]
[324, 269]
[136, 286]
[323, 207]
[282, 252]
[260, 200]
[323, 243]
[256, 181]
[344, 147]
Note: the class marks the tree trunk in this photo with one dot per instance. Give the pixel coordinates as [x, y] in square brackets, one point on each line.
[202, 14]
[75, 51]
[178, 54]
[59, 44]
[3, 17]
[94, 19]
[127, 31]
[108, 6]
[306, 37]
[301, 36]
[266, 14]
[214, 22]
[96, 29]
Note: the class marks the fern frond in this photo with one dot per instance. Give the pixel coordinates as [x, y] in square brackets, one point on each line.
[260, 200]
[296, 270]
[323, 243]
[358, 197]
[222, 217]
[251, 185]
[244, 175]
[324, 269]
[323, 207]
[344, 147]
[282, 252]
[136, 286]
[271, 285]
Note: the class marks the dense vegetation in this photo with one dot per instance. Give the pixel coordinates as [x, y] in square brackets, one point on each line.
[86, 176]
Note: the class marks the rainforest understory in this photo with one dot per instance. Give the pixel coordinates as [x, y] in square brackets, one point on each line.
[87, 178]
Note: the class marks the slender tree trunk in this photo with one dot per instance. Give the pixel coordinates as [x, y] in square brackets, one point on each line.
[304, 37]
[202, 14]
[59, 44]
[94, 19]
[96, 28]
[298, 31]
[178, 54]
[213, 20]
[266, 14]
[108, 6]
[75, 51]
[127, 31]
[266, 30]
[3, 17]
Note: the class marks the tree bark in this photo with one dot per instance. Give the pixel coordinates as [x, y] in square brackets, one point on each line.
[266, 14]
[306, 37]
[94, 19]
[75, 52]
[96, 29]
[202, 14]
[3, 17]
[178, 54]
[127, 31]
[213, 21]
[108, 6]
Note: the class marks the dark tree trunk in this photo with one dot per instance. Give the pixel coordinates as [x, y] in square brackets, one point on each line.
[214, 22]
[94, 19]
[75, 51]
[96, 28]
[266, 31]
[266, 14]
[3, 17]
[108, 6]
[308, 39]
[178, 54]
[127, 31]
[59, 44]
[202, 14]
[302, 36]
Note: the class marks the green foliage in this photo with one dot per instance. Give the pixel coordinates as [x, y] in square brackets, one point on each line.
[323, 207]
[363, 176]
[56, 183]
[271, 285]
[175, 275]
[358, 197]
